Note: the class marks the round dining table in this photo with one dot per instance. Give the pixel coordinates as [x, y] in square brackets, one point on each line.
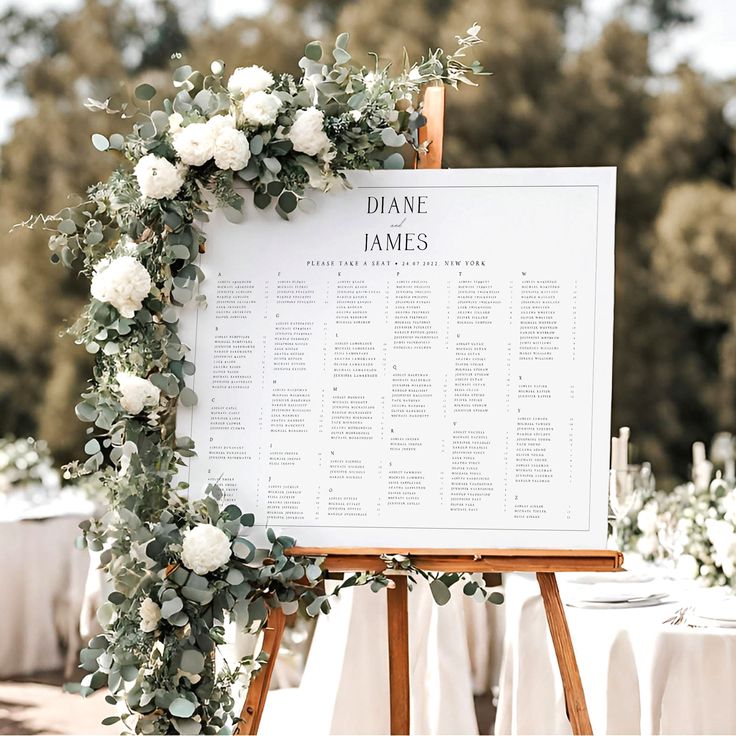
[45, 583]
[641, 674]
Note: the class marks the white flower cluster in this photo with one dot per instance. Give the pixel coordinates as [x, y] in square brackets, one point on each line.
[218, 138]
[158, 178]
[694, 526]
[123, 282]
[136, 393]
[252, 103]
[307, 133]
[150, 614]
[205, 548]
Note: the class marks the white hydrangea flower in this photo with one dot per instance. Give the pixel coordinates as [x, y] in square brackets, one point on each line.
[150, 614]
[195, 144]
[175, 121]
[249, 79]
[157, 177]
[260, 108]
[307, 132]
[136, 393]
[205, 548]
[123, 282]
[232, 150]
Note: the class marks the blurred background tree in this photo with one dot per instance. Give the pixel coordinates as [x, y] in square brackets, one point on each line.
[546, 105]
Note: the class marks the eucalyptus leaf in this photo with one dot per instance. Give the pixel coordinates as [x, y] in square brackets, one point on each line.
[145, 92]
[100, 142]
[313, 51]
[182, 708]
[440, 592]
[192, 661]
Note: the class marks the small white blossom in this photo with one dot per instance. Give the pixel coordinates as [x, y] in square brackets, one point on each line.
[260, 108]
[150, 614]
[136, 393]
[195, 144]
[307, 132]
[370, 80]
[158, 178]
[357, 115]
[175, 121]
[205, 548]
[122, 282]
[232, 150]
[249, 79]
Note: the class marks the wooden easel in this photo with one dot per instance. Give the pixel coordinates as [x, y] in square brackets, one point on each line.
[545, 563]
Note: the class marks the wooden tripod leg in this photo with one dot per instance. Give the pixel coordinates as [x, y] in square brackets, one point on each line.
[255, 700]
[577, 710]
[398, 655]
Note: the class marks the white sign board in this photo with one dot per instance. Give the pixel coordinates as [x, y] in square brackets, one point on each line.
[423, 361]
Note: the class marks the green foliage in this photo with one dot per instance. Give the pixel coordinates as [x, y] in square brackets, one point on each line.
[136, 238]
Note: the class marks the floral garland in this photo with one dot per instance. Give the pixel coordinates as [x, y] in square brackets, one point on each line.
[180, 568]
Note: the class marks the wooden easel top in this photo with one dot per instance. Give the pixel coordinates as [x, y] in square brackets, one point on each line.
[346, 559]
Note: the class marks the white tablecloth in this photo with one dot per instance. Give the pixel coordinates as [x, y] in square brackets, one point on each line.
[43, 581]
[344, 688]
[639, 675]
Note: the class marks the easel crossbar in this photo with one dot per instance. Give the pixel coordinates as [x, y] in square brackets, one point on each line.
[345, 559]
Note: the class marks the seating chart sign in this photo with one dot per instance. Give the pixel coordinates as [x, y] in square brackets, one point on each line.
[423, 360]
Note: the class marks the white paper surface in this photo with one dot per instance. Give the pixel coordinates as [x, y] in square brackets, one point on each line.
[436, 376]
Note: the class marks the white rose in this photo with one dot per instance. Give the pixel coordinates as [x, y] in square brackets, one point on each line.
[260, 108]
[646, 519]
[195, 144]
[205, 548]
[150, 614]
[123, 282]
[307, 132]
[232, 150]
[220, 122]
[175, 121]
[249, 79]
[157, 177]
[136, 393]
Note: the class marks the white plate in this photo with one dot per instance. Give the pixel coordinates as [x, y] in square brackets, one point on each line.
[611, 592]
[593, 578]
[640, 603]
[724, 610]
[694, 620]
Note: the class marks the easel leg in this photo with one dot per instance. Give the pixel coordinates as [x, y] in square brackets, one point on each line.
[577, 710]
[255, 700]
[398, 655]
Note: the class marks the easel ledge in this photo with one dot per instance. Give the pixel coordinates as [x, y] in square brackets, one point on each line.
[347, 559]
